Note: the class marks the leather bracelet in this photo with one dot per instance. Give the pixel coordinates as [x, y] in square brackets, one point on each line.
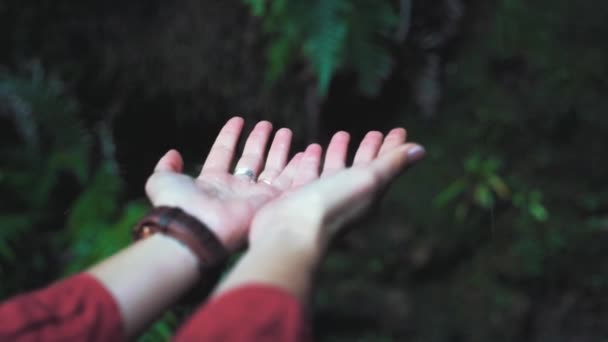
[186, 229]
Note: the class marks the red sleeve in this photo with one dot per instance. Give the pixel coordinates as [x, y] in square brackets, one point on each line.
[251, 313]
[75, 309]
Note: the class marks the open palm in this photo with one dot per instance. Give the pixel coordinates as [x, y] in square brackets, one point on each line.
[223, 201]
[227, 202]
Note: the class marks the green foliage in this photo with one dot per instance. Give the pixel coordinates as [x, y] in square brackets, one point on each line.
[531, 203]
[516, 147]
[54, 150]
[52, 143]
[332, 35]
[480, 186]
[162, 330]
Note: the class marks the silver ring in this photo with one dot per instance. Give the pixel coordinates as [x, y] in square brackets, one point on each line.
[243, 171]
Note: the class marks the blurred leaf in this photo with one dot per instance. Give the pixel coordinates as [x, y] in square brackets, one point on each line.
[538, 212]
[97, 204]
[325, 45]
[86, 246]
[450, 193]
[279, 55]
[331, 35]
[258, 7]
[161, 330]
[499, 186]
[472, 164]
[491, 165]
[483, 196]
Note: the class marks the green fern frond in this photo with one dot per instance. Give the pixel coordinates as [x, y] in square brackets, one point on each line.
[369, 23]
[39, 107]
[279, 56]
[258, 7]
[86, 246]
[331, 35]
[325, 45]
[54, 142]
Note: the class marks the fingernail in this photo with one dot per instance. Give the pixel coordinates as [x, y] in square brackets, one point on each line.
[415, 153]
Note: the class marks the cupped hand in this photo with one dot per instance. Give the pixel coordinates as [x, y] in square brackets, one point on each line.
[225, 201]
[324, 202]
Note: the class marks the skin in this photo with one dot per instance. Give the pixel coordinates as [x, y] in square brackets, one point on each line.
[238, 209]
[304, 222]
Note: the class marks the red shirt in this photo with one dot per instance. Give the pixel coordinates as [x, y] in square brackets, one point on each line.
[81, 309]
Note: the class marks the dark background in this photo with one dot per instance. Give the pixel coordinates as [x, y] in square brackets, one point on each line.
[500, 235]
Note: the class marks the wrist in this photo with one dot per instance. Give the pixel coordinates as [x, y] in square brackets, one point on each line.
[146, 278]
[185, 229]
[161, 253]
[228, 238]
[281, 260]
[171, 257]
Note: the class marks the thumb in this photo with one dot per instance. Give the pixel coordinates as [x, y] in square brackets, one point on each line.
[171, 162]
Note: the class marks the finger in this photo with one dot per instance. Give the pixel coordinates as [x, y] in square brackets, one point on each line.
[368, 149]
[393, 139]
[171, 162]
[308, 168]
[277, 156]
[255, 148]
[222, 151]
[285, 179]
[335, 157]
[366, 180]
[390, 164]
[350, 193]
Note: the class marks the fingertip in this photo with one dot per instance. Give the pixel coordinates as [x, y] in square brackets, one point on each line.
[297, 158]
[171, 161]
[236, 118]
[314, 149]
[396, 137]
[171, 151]
[264, 124]
[415, 153]
[308, 166]
[341, 135]
[374, 135]
[284, 131]
[369, 148]
[236, 123]
[314, 146]
[398, 131]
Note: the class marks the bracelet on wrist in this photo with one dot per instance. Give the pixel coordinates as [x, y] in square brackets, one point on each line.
[187, 230]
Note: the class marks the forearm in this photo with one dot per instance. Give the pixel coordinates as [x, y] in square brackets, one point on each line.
[146, 278]
[283, 261]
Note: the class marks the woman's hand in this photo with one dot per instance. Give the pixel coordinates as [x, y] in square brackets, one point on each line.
[224, 201]
[313, 214]
[289, 234]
